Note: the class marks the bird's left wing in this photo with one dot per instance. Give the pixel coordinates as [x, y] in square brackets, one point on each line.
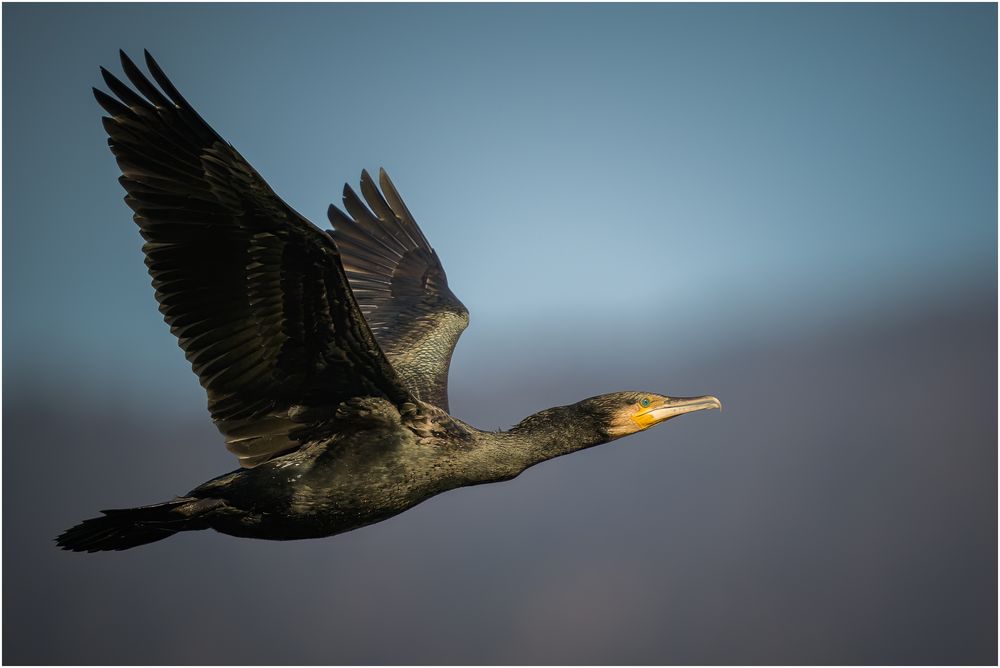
[256, 294]
[400, 285]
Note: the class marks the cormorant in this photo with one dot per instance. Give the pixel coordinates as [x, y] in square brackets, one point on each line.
[325, 354]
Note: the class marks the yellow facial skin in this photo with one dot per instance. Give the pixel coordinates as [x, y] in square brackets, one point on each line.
[653, 409]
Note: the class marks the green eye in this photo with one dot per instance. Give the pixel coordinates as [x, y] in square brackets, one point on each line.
[644, 402]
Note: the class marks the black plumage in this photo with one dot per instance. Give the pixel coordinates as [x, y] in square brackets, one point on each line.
[400, 286]
[325, 354]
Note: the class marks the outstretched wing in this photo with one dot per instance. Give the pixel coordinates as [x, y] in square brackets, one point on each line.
[401, 286]
[255, 294]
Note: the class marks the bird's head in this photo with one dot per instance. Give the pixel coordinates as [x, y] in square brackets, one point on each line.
[565, 429]
[624, 413]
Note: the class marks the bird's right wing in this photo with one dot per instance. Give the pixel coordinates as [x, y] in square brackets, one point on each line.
[255, 293]
[400, 286]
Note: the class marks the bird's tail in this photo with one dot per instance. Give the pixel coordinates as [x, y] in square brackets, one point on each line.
[130, 527]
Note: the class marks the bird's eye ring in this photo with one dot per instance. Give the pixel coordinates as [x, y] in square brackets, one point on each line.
[644, 402]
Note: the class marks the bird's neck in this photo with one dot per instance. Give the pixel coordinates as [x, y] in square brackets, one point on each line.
[537, 438]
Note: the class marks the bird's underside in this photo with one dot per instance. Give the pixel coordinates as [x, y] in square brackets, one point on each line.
[324, 353]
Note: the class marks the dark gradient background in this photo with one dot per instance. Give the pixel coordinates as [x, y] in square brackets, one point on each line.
[791, 207]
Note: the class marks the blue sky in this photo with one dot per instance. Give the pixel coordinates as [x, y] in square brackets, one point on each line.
[678, 171]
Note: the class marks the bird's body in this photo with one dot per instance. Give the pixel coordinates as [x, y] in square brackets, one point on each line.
[325, 355]
[375, 466]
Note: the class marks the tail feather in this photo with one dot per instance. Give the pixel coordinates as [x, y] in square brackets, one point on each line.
[121, 529]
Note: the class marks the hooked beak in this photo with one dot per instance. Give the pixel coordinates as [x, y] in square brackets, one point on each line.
[671, 407]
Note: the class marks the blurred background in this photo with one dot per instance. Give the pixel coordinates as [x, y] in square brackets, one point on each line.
[792, 207]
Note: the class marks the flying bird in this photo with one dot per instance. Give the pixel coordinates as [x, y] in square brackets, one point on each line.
[324, 353]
